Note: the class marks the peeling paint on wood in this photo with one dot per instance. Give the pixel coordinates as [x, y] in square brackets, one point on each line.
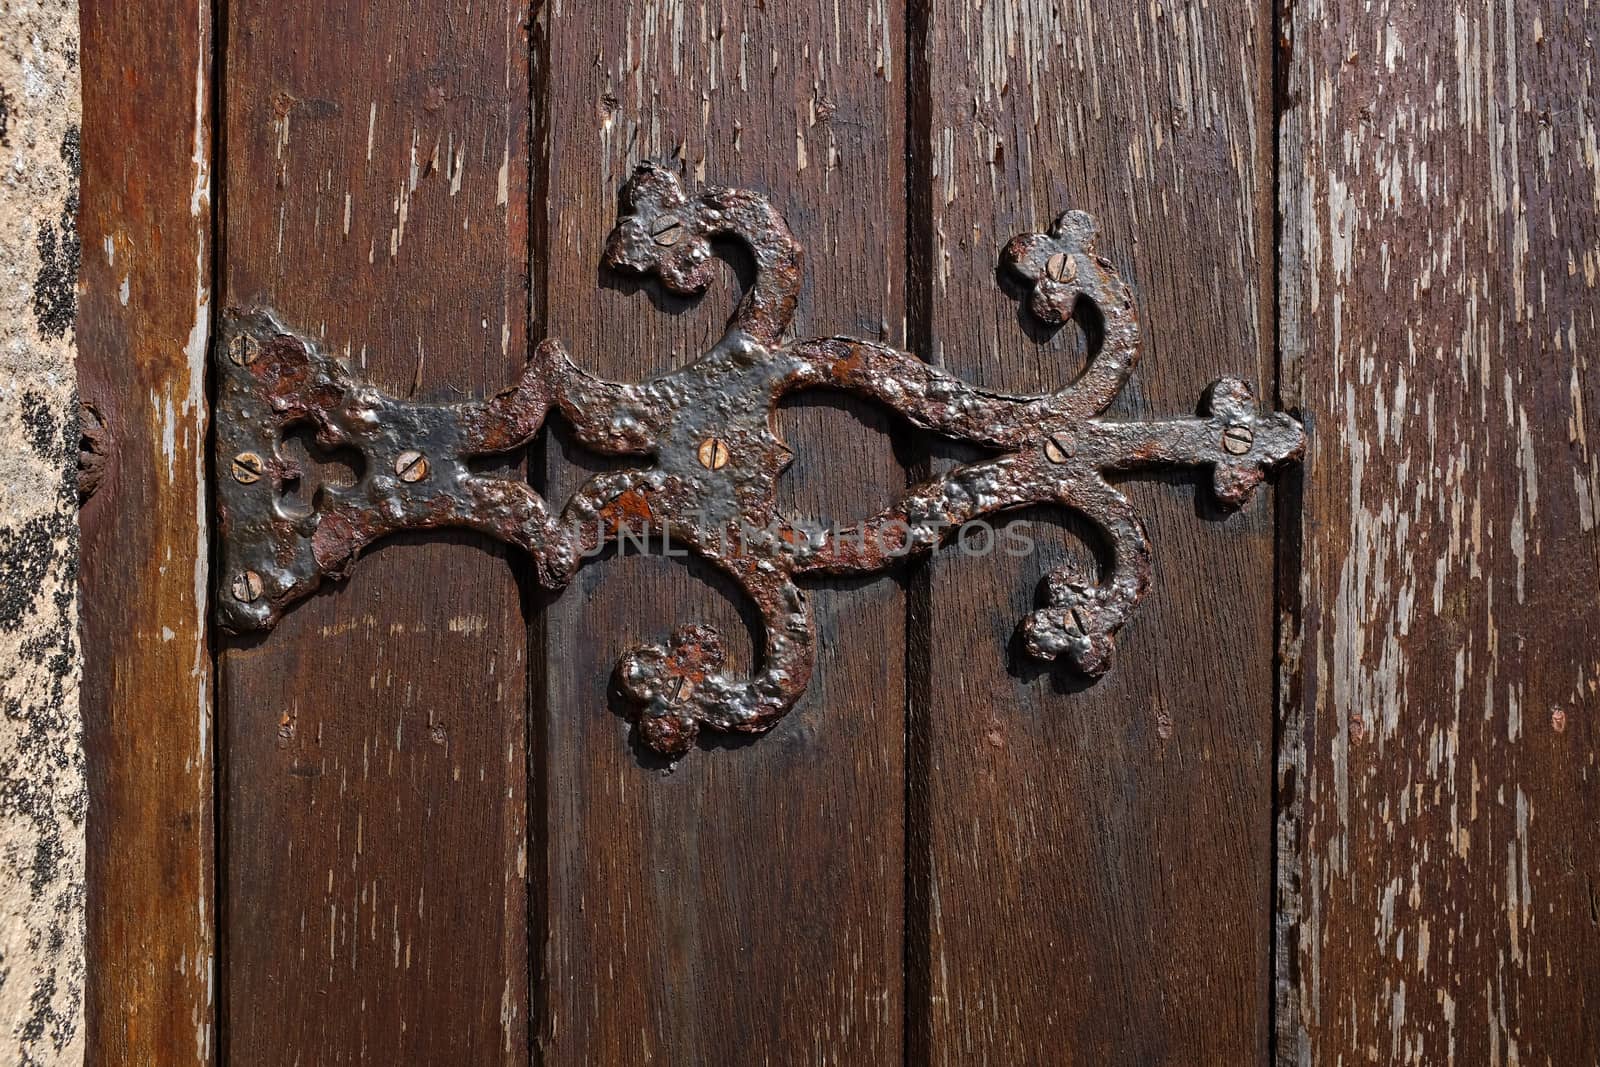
[1441, 245]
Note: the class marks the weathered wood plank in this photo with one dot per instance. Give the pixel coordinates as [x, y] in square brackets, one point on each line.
[1096, 864]
[744, 908]
[375, 803]
[1442, 251]
[144, 320]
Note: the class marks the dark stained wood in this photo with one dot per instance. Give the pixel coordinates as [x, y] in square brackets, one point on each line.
[376, 191]
[144, 317]
[1441, 227]
[948, 853]
[1093, 877]
[746, 906]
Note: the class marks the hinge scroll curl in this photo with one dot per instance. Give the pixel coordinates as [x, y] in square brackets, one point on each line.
[708, 459]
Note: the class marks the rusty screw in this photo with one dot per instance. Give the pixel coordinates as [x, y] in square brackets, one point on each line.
[678, 691]
[243, 350]
[247, 587]
[1057, 448]
[1062, 268]
[713, 453]
[411, 466]
[247, 468]
[667, 231]
[1237, 439]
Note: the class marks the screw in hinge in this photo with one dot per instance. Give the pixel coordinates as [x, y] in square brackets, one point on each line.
[679, 693]
[247, 587]
[247, 468]
[243, 350]
[667, 231]
[713, 453]
[1237, 439]
[1062, 268]
[411, 466]
[1057, 448]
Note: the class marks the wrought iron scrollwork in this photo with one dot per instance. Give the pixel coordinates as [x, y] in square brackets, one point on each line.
[709, 459]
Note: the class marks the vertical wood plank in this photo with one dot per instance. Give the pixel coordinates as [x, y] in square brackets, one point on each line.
[743, 906]
[144, 321]
[1093, 880]
[377, 175]
[1441, 207]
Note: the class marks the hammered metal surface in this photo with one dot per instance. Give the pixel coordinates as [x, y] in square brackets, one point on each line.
[709, 457]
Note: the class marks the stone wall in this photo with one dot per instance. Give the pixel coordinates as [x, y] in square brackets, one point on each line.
[42, 796]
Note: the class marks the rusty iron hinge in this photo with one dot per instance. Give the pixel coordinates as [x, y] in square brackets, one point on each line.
[709, 459]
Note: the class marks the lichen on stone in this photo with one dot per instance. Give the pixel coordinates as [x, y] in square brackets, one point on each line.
[43, 802]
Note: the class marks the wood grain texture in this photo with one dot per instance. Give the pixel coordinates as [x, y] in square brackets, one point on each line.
[744, 906]
[375, 802]
[143, 326]
[1441, 205]
[1095, 867]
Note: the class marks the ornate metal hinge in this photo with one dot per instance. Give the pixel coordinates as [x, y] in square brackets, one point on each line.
[709, 459]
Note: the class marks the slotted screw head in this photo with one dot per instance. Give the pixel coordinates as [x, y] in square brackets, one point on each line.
[1237, 439]
[1057, 448]
[247, 587]
[243, 350]
[713, 453]
[666, 231]
[247, 468]
[411, 466]
[678, 690]
[1062, 268]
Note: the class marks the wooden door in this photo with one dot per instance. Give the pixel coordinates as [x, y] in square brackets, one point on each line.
[1336, 800]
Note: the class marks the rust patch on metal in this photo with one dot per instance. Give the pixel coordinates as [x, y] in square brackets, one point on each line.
[709, 460]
